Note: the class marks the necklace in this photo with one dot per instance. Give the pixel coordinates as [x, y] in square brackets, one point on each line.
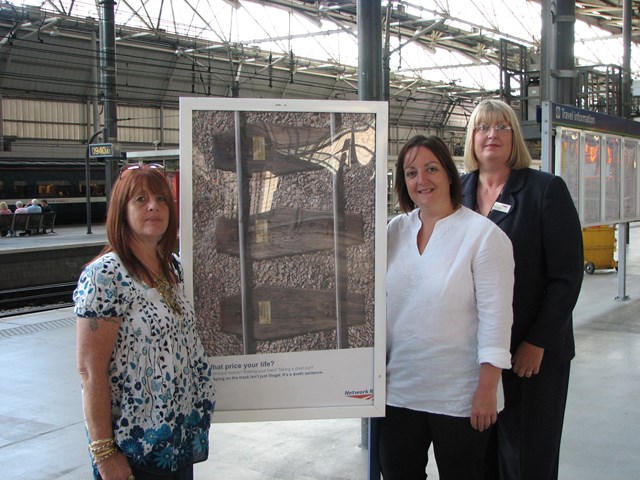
[168, 295]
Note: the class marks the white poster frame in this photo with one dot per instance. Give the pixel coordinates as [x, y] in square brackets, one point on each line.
[358, 373]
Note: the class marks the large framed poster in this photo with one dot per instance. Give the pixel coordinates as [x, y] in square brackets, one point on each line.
[283, 224]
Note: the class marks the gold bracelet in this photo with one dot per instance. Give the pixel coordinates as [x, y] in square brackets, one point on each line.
[104, 456]
[101, 441]
[101, 445]
[104, 452]
[96, 451]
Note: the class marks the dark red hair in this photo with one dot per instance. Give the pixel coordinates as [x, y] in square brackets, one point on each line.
[131, 182]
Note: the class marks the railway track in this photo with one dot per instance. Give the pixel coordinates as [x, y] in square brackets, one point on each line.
[20, 301]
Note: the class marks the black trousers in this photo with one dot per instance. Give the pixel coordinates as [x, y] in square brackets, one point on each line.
[185, 473]
[405, 438]
[529, 429]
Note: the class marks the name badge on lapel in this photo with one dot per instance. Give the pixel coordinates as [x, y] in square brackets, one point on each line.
[501, 207]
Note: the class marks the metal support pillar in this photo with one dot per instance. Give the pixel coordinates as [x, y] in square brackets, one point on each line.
[386, 68]
[564, 72]
[370, 76]
[547, 56]
[369, 14]
[623, 232]
[108, 82]
[626, 58]
[623, 228]
[95, 77]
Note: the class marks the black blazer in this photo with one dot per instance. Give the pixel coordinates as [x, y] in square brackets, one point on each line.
[544, 228]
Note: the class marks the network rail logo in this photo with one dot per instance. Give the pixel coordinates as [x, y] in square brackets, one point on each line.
[359, 394]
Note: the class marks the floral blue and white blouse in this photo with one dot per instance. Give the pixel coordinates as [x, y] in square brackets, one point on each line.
[162, 391]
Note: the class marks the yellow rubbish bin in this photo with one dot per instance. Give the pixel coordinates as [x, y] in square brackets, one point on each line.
[599, 246]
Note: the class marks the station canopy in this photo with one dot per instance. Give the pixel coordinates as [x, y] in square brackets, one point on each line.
[451, 43]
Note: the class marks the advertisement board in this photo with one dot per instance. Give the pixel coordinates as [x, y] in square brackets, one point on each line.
[283, 227]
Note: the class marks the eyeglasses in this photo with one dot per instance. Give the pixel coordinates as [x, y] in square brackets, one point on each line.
[499, 129]
[135, 166]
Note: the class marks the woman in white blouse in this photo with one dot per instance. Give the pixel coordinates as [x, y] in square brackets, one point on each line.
[449, 315]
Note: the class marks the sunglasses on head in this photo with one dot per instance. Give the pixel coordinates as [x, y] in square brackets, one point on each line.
[135, 166]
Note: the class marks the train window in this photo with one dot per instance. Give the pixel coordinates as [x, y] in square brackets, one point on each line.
[2, 194]
[97, 188]
[54, 188]
[20, 189]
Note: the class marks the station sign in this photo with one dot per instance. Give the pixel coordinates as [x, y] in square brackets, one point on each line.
[101, 150]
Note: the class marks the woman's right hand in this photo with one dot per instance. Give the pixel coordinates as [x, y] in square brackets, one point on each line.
[115, 468]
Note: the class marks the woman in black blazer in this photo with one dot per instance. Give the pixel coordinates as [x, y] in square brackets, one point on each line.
[536, 211]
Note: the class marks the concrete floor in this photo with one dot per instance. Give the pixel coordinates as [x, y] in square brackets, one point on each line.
[42, 433]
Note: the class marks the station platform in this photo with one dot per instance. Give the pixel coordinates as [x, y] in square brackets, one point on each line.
[34, 261]
[42, 432]
[72, 236]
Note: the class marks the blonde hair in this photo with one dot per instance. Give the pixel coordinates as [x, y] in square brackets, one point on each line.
[3, 206]
[496, 111]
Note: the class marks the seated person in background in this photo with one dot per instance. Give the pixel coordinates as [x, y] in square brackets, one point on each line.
[34, 206]
[45, 206]
[5, 210]
[20, 208]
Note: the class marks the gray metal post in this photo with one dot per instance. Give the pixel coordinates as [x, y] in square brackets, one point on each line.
[108, 81]
[87, 179]
[369, 14]
[547, 56]
[564, 72]
[626, 58]
[623, 231]
[95, 77]
[623, 228]
[386, 68]
[370, 61]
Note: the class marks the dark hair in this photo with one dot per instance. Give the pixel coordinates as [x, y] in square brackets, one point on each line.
[119, 234]
[443, 155]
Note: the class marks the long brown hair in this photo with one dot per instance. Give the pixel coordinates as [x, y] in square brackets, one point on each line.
[130, 182]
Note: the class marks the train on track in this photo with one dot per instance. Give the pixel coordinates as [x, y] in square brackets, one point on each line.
[62, 182]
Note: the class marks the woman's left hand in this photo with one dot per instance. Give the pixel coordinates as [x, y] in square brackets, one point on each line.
[484, 410]
[527, 360]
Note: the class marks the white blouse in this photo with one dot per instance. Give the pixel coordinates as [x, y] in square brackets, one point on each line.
[448, 310]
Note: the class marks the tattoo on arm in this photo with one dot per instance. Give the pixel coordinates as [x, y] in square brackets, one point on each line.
[93, 322]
